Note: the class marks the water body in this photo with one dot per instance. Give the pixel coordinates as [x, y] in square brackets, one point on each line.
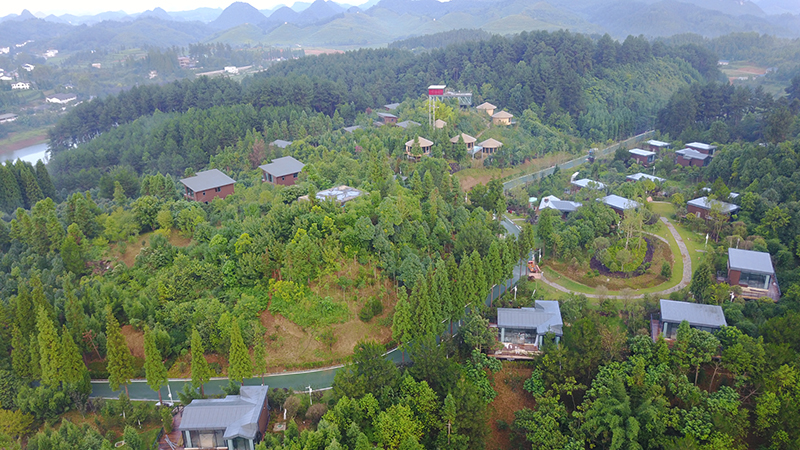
[29, 154]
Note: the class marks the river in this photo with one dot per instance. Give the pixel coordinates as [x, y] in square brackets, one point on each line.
[30, 154]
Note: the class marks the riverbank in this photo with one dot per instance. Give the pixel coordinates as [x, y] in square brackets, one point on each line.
[22, 139]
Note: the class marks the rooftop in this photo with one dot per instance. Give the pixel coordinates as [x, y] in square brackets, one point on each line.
[619, 203]
[502, 115]
[63, 97]
[656, 143]
[391, 106]
[553, 202]
[640, 175]
[387, 115]
[281, 143]
[701, 146]
[283, 166]
[696, 314]
[467, 139]
[585, 182]
[706, 203]
[691, 154]
[750, 261]
[491, 143]
[486, 105]
[208, 179]
[422, 142]
[237, 414]
[407, 123]
[544, 316]
[352, 129]
[339, 194]
[640, 152]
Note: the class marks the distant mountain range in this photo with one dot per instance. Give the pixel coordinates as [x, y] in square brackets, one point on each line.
[327, 23]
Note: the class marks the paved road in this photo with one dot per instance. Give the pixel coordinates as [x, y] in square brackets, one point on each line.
[573, 163]
[686, 276]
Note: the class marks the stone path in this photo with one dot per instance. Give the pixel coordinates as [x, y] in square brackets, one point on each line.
[686, 277]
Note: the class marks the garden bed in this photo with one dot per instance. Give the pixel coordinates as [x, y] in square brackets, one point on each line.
[601, 268]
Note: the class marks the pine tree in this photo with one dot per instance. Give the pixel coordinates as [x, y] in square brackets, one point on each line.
[440, 288]
[30, 189]
[201, 373]
[50, 351]
[71, 255]
[73, 368]
[20, 354]
[154, 368]
[239, 364]
[493, 264]
[35, 359]
[24, 311]
[423, 310]
[73, 312]
[10, 195]
[44, 181]
[480, 286]
[449, 414]
[260, 357]
[118, 355]
[403, 320]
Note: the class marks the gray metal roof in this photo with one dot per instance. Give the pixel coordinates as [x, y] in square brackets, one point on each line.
[621, 203]
[283, 166]
[387, 115]
[391, 106]
[701, 145]
[553, 202]
[750, 261]
[656, 143]
[236, 414]
[339, 194]
[640, 152]
[7, 116]
[352, 129]
[639, 176]
[209, 179]
[705, 203]
[696, 314]
[281, 143]
[691, 154]
[545, 316]
[585, 182]
[407, 123]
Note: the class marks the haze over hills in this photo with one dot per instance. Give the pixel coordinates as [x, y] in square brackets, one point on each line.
[327, 23]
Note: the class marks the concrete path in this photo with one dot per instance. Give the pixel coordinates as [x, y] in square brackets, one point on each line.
[686, 276]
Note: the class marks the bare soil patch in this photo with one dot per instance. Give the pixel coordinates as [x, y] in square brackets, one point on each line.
[470, 178]
[320, 51]
[135, 340]
[511, 397]
[128, 252]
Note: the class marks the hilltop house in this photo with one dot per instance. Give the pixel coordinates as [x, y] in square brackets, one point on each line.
[387, 117]
[753, 271]
[424, 148]
[658, 146]
[61, 99]
[486, 107]
[490, 146]
[502, 118]
[563, 206]
[702, 148]
[619, 204]
[208, 185]
[282, 171]
[643, 157]
[577, 185]
[522, 330]
[236, 422]
[280, 143]
[439, 124]
[640, 176]
[469, 141]
[690, 157]
[703, 317]
[701, 207]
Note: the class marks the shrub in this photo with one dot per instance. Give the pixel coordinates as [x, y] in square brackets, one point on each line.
[315, 412]
[166, 419]
[535, 385]
[291, 405]
[666, 270]
[372, 308]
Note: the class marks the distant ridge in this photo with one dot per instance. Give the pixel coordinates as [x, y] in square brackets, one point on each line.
[236, 14]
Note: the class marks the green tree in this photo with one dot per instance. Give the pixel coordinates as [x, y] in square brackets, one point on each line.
[369, 372]
[543, 427]
[118, 355]
[394, 425]
[73, 369]
[702, 282]
[154, 368]
[201, 373]
[449, 414]
[50, 352]
[44, 181]
[260, 357]
[240, 366]
[132, 439]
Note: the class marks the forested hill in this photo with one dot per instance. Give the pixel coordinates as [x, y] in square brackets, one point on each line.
[562, 73]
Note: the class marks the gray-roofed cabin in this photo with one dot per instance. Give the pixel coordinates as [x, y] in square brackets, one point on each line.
[691, 157]
[208, 185]
[702, 207]
[754, 272]
[643, 176]
[236, 422]
[619, 204]
[565, 207]
[576, 185]
[703, 317]
[643, 157]
[283, 171]
[522, 330]
[280, 143]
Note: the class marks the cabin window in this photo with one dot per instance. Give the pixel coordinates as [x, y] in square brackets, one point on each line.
[219, 189]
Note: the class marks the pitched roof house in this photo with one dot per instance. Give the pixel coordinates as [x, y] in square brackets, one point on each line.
[657, 146]
[424, 147]
[690, 157]
[487, 107]
[490, 146]
[643, 157]
[521, 330]
[387, 117]
[702, 148]
[407, 123]
[586, 183]
[208, 185]
[701, 207]
[565, 207]
[703, 317]
[619, 204]
[282, 171]
[640, 176]
[754, 272]
[502, 118]
[280, 143]
[233, 422]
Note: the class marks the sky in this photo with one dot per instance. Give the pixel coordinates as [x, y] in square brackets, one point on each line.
[80, 7]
